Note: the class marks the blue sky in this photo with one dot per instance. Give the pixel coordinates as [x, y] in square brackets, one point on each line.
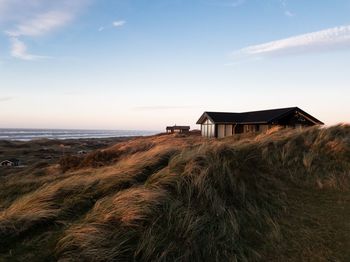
[141, 64]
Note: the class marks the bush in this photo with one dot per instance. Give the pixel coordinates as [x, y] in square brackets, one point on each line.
[69, 162]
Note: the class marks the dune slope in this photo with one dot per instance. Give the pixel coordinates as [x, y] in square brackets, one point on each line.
[282, 196]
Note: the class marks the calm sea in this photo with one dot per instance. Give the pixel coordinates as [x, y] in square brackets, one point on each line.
[30, 134]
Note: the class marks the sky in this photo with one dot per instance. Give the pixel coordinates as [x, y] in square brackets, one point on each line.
[145, 64]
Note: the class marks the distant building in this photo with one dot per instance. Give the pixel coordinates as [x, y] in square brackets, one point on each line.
[220, 124]
[10, 162]
[82, 152]
[177, 129]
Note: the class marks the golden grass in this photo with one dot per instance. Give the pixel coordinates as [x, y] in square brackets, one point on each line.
[185, 198]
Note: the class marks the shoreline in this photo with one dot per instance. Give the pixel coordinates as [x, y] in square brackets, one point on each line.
[27, 135]
[43, 139]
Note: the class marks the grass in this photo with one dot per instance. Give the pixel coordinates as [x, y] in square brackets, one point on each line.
[282, 196]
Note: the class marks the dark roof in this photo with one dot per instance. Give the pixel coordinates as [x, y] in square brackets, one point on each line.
[11, 160]
[178, 127]
[6, 160]
[254, 117]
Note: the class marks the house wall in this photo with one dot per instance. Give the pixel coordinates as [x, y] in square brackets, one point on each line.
[249, 128]
[256, 128]
[263, 128]
[239, 129]
[221, 131]
[228, 130]
[224, 130]
[208, 129]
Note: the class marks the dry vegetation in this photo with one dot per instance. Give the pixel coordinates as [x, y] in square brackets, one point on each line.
[282, 196]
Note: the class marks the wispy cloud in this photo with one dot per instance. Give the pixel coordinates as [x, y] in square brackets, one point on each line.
[19, 50]
[6, 98]
[119, 23]
[41, 24]
[33, 18]
[283, 3]
[284, 6]
[289, 13]
[320, 41]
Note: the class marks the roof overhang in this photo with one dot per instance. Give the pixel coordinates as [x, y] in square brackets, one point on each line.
[203, 117]
[301, 112]
[307, 116]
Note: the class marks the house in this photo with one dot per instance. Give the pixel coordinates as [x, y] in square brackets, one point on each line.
[177, 129]
[10, 162]
[82, 152]
[220, 124]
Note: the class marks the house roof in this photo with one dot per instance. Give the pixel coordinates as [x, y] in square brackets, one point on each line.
[6, 161]
[178, 127]
[13, 160]
[253, 117]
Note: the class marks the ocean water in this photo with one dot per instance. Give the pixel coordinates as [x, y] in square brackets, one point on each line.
[30, 134]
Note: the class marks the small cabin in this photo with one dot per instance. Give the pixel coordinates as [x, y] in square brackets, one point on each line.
[222, 124]
[82, 152]
[10, 162]
[177, 129]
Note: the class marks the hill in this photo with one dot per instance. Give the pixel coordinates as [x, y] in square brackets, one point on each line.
[282, 196]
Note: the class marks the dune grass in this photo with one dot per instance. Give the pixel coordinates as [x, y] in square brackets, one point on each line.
[175, 198]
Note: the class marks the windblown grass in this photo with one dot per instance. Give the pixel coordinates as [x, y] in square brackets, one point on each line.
[171, 198]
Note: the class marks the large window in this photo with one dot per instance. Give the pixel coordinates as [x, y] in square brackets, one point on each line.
[251, 128]
[208, 129]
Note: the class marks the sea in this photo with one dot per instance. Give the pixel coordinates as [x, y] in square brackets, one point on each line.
[19, 134]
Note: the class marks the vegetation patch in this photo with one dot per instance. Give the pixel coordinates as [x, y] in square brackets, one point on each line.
[281, 196]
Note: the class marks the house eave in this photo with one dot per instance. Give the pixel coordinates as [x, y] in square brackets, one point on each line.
[204, 116]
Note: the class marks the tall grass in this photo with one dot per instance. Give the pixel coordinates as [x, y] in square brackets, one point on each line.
[169, 198]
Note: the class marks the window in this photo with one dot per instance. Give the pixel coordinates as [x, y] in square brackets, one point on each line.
[251, 128]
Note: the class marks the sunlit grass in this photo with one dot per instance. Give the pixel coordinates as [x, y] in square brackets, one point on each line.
[167, 198]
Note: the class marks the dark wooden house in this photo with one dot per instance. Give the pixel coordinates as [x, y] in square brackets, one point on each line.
[10, 162]
[177, 129]
[221, 124]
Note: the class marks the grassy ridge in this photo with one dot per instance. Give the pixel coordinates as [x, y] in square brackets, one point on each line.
[168, 198]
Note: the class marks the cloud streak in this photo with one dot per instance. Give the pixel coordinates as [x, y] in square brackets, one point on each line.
[41, 24]
[34, 18]
[320, 41]
[119, 23]
[5, 98]
[289, 13]
[19, 50]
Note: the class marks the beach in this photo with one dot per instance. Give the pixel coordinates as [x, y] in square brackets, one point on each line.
[27, 134]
